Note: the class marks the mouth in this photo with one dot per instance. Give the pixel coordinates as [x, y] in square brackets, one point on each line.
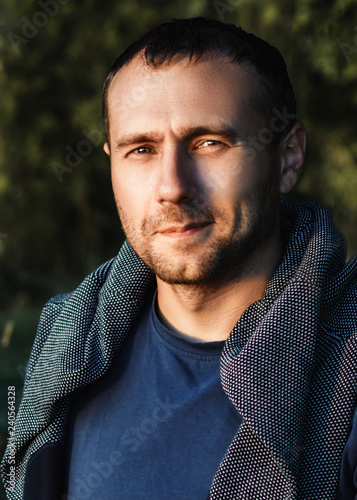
[184, 231]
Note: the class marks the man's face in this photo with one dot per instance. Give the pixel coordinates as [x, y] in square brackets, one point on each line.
[195, 203]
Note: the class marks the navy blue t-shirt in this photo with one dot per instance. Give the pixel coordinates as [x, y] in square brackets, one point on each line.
[156, 426]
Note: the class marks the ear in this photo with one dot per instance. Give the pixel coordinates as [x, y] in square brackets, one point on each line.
[292, 152]
[106, 148]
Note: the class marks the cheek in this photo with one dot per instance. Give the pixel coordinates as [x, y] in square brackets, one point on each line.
[227, 187]
[130, 197]
[233, 176]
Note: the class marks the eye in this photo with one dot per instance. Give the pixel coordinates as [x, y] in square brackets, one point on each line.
[143, 150]
[210, 142]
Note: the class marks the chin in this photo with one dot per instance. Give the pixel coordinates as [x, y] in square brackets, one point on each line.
[200, 270]
[174, 272]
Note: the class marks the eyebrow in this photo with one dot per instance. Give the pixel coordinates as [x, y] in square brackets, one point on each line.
[226, 131]
[129, 139]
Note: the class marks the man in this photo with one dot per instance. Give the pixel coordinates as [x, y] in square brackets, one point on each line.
[216, 355]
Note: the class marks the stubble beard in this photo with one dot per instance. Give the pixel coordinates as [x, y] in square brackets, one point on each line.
[227, 257]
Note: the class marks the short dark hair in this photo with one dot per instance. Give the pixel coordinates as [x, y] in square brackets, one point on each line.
[196, 37]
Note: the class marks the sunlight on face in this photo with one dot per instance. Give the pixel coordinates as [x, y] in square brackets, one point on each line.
[193, 201]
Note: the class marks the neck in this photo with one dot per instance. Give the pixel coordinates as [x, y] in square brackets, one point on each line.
[208, 313]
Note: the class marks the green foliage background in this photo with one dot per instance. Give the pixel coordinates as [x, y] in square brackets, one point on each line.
[56, 228]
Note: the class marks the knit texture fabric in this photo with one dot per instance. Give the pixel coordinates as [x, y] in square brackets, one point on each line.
[289, 366]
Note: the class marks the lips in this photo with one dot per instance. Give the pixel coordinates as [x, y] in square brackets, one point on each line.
[182, 229]
[179, 232]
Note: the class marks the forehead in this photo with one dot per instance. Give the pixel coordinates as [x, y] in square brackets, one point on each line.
[197, 91]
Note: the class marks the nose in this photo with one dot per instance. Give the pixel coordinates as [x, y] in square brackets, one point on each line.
[176, 182]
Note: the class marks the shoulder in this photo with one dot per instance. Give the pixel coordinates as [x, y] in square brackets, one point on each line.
[90, 286]
[62, 306]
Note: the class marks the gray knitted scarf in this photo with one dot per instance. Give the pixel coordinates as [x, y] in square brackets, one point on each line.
[289, 366]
